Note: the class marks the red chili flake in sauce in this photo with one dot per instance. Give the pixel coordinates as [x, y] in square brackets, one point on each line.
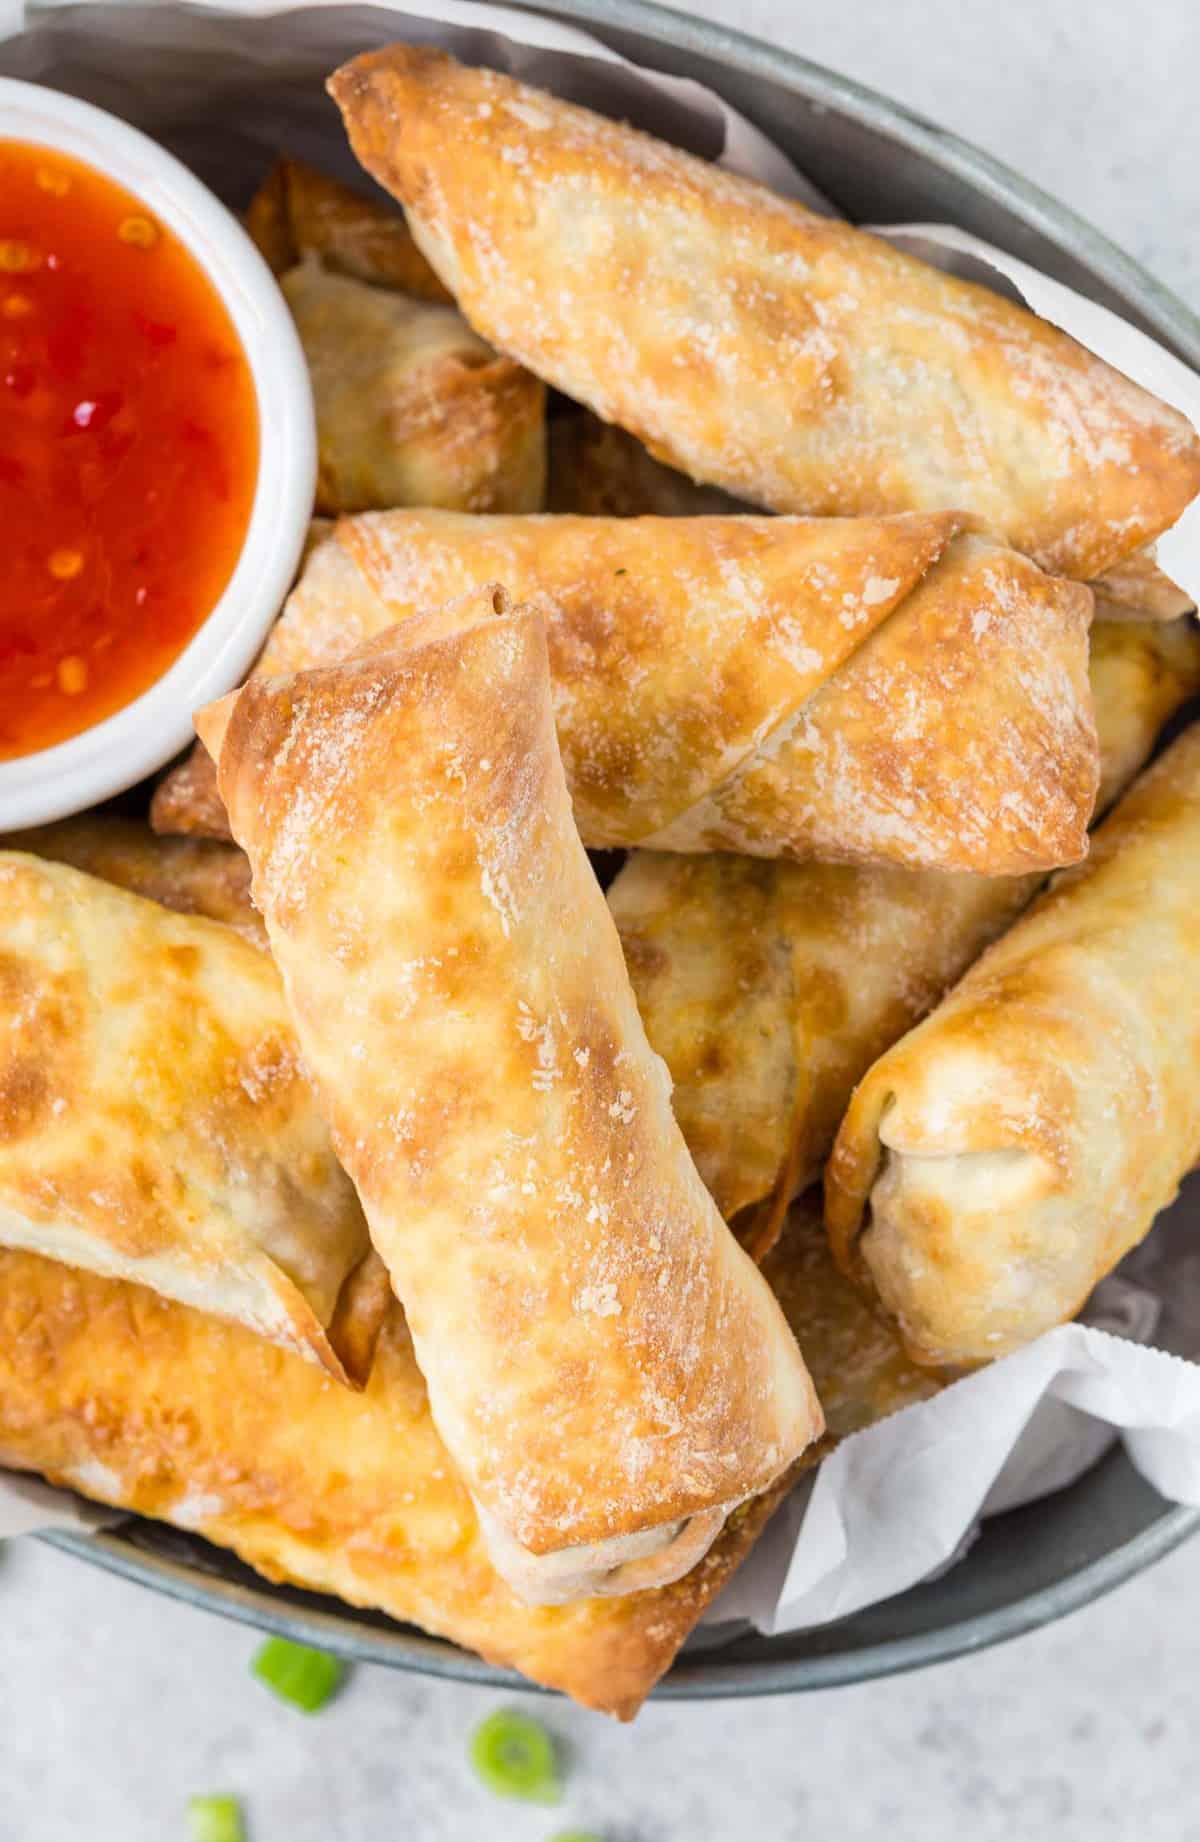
[128, 447]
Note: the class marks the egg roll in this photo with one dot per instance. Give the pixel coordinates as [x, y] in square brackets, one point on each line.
[412, 407]
[192, 876]
[354, 1493]
[298, 212]
[1137, 589]
[786, 357]
[1002, 1157]
[157, 1123]
[859, 689]
[770, 988]
[608, 1370]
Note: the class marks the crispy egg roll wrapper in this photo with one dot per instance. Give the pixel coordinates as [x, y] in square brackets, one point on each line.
[868, 689]
[788, 358]
[1003, 1156]
[674, 643]
[299, 212]
[412, 407]
[207, 878]
[355, 1494]
[608, 1369]
[769, 989]
[157, 1123]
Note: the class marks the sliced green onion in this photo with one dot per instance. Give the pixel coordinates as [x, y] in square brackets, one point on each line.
[215, 1819]
[514, 1756]
[307, 1678]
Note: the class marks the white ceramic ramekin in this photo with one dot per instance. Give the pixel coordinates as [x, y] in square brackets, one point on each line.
[125, 747]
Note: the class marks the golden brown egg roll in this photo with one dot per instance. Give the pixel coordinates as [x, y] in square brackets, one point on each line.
[770, 988]
[786, 357]
[204, 877]
[1004, 1155]
[157, 1124]
[412, 408]
[310, 1483]
[1140, 680]
[298, 212]
[607, 1368]
[192, 876]
[355, 1494]
[864, 689]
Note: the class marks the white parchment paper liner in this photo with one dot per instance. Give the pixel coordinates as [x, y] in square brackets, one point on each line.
[899, 1502]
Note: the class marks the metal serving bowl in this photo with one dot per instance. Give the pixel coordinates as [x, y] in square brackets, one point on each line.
[877, 162]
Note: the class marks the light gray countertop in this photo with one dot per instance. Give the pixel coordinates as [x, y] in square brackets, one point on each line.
[115, 1705]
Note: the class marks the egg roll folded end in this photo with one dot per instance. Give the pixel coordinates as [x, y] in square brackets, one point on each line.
[412, 406]
[1002, 1157]
[959, 736]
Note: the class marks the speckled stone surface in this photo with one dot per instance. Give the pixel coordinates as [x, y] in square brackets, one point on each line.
[114, 1705]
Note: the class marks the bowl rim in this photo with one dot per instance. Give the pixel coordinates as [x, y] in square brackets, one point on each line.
[703, 1677]
[337, 1627]
[981, 171]
[139, 738]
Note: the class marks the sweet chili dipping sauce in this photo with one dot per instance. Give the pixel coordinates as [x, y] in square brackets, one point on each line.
[128, 447]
